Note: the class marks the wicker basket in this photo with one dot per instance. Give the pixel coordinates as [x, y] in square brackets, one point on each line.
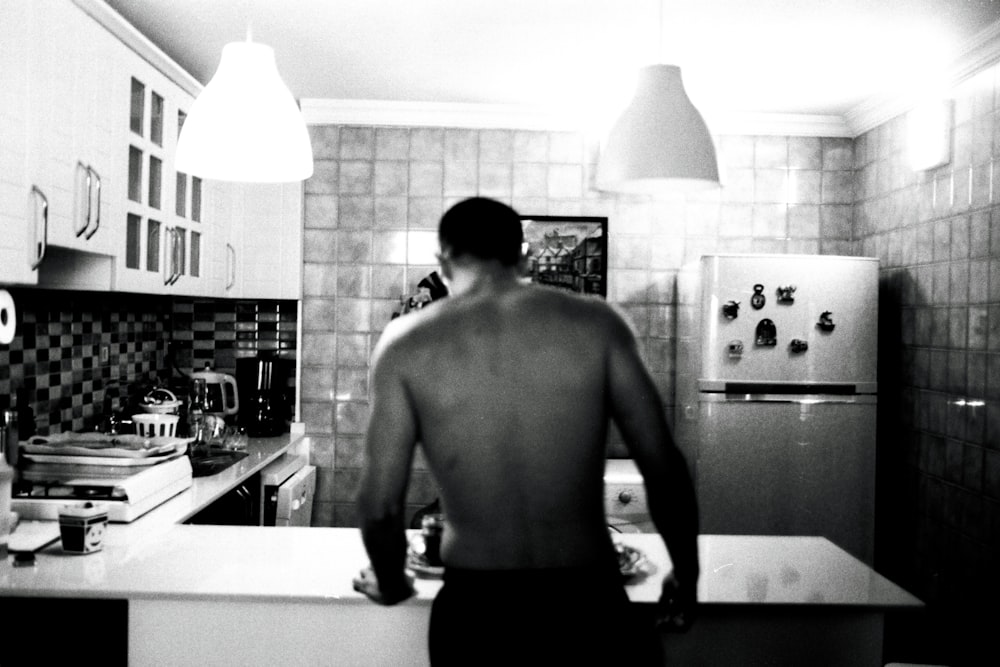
[155, 425]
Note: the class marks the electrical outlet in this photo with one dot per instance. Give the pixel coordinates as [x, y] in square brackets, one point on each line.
[105, 354]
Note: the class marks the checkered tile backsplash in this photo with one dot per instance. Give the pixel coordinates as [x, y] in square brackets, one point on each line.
[55, 361]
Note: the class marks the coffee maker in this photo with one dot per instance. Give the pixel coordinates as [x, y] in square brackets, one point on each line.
[265, 385]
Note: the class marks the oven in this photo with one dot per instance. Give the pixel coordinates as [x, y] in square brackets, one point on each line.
[625, 498]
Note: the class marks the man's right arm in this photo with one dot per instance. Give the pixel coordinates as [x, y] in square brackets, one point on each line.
[637, 410]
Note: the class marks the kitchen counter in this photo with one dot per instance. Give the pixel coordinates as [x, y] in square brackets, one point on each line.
[203, 492]
[263, 595]
[252, 595]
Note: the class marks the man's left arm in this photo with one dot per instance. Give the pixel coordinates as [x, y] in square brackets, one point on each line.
[390, 443]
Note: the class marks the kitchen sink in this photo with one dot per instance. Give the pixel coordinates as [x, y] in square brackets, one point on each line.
[206, 461]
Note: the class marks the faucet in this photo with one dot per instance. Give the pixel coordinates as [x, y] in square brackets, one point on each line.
[111, 422]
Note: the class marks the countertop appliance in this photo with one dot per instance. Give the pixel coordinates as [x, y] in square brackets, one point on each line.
[777, 394]
[265, 385]
[129, 491]
[222, 394]
[287, 489]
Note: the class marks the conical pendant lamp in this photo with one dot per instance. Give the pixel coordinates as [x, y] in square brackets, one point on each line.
[245, 125]
[660, 143]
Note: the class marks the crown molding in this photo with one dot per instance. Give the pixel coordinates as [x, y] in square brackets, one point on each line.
[976, 55]
[114, 23]
[497, 116]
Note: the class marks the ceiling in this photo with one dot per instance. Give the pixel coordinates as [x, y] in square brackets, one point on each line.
[822, 57]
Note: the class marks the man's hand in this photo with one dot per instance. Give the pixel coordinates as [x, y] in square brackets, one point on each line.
[366, 582]
[676, 609]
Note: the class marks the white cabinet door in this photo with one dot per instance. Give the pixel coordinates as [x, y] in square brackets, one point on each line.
[166, 231]
[18, 215]
[267, 241]
[68, 154]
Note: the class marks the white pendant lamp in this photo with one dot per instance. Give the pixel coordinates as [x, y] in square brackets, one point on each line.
[245, 125]
[660, 143]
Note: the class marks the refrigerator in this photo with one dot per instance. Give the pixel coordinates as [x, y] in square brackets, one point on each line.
[777, 394]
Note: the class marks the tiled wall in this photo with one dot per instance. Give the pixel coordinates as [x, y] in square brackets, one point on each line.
[937, 235]
[371, 214]
[54, 365]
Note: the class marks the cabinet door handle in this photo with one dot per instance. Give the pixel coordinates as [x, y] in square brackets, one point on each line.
[77, 228]
[168, 255]
[97, 209]
[177, 256]
[231, 252]
[40, 246]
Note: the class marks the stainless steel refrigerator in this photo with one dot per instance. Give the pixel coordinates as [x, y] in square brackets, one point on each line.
[777, 394]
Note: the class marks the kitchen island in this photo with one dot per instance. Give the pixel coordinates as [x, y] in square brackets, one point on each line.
[223, 595]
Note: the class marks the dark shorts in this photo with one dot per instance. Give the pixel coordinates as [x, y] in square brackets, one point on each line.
[550, 616]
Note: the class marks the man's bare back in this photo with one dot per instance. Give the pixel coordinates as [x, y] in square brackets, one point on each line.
[509, 390]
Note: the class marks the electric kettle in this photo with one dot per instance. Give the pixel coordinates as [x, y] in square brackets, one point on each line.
[222, 395]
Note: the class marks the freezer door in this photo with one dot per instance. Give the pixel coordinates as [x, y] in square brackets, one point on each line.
[788, 467]
[787, 318]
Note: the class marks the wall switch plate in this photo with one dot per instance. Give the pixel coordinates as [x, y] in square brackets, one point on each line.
[105, 354]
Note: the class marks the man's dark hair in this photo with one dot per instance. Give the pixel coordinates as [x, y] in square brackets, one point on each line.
[483, 228]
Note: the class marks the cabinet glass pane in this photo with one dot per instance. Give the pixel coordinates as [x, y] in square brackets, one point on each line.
[134, 174]
[196, 199]
[153, 246]
[138, 106]
[195, 254]
[132, 235]
[181, 195]
[156, 120]
[181, 117]
[155, 174]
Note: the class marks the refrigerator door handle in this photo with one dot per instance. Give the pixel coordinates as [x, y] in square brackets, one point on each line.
[803, 399]
[789, 388]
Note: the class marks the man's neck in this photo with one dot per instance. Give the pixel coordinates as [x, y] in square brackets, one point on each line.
[481, 278]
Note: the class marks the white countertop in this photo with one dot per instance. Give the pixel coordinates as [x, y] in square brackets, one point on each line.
[317, 565]
[202, 493]
[159, 557]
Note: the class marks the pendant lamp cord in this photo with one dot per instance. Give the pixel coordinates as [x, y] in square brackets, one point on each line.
[660, 52]
[249, 15]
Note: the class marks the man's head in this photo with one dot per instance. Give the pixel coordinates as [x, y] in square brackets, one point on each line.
[482, 229]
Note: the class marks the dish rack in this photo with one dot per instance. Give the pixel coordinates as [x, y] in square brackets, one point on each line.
[155, 425]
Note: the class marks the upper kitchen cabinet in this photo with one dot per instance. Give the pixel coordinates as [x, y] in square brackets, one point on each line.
[21, 209]
[263, 258]
[166, 236]
[55, 189]
[71, 156]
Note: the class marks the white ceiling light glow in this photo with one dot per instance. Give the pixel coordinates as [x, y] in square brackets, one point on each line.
[245, 125]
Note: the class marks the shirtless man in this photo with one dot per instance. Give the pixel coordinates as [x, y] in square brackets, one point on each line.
[509, 388]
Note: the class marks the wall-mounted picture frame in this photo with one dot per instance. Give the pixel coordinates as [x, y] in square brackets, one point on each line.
[567, 252]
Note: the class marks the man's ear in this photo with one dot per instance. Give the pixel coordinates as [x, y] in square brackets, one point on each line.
[444, 261]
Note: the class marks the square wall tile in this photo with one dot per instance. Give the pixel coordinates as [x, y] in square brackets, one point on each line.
[392, 143]
[391, 177]
[530, 146]
[426, 178]
[461, 178]
[390, 212]
[389, 247]
[356, 177]
[355, 212]
[357, 143]
[496, 145]
[426, 143]
[461, 145]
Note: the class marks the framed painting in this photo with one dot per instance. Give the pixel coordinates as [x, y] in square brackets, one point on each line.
[567, 252]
